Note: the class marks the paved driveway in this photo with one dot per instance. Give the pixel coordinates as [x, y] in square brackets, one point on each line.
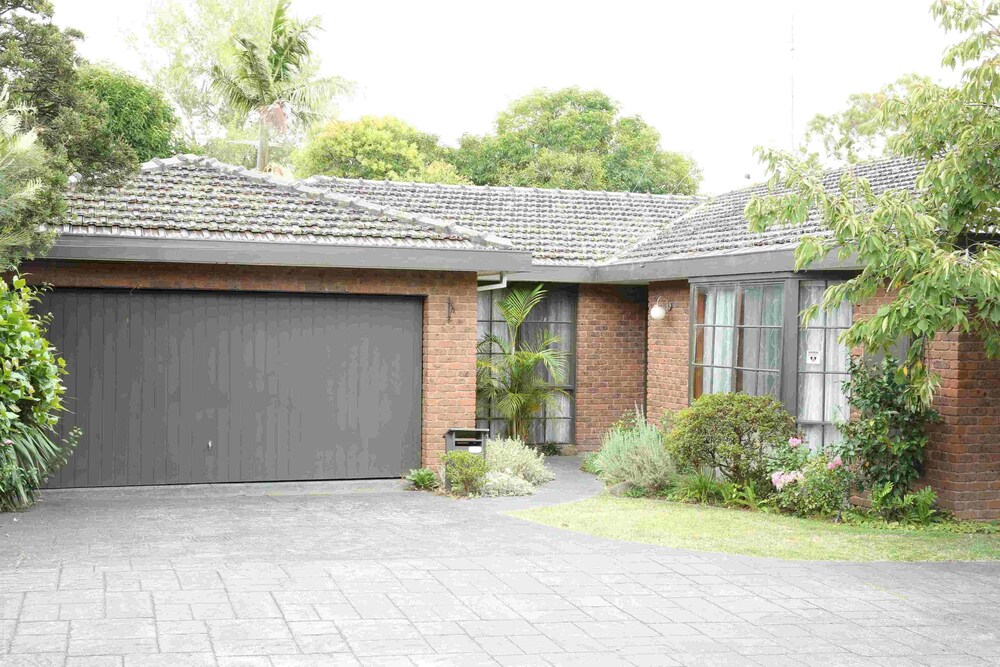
[365, 573]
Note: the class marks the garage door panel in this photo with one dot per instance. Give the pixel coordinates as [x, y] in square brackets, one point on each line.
[191, 387]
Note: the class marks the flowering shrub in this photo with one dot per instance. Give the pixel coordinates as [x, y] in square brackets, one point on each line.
[818, 488]
[512, 456]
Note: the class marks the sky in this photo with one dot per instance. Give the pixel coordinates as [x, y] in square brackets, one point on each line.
[715, 78]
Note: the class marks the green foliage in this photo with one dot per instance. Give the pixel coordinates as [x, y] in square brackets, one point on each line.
[383, 148]
[908, 508]
[935, 251]
[700, 486]
[636, 455]
[29, 189]
[574, 139]
[38, 65]
[30, 398]
[591, 463]
[271, 78]
[745, 497]
[510, 455]
[885, 440]
[515, 378]
[423, 479]
[502, 483]
[822, 490]
[135, 111]
[465, 472]
[733, 433]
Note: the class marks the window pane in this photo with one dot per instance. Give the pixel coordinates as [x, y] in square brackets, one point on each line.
[813, 435]
[836, 408]
[811, 396]
[842, 316]
[770, 353]
[831, 435]
[485, 301]
[751, 305]
[750, 348]
[773, 305]
[697, 381]
[836, 354]
[722, 380]
[722, 348]
[769, 383]
[558, 430]
[811, 293]
[747, 382]
[699, 345]
[811, 343]
[725, 309]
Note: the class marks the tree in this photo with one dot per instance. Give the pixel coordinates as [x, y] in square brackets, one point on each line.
[137, 113]
[935, 250]
[30, 191]
[383, 148]
[39, 67]
[511, 372]
[574, 139]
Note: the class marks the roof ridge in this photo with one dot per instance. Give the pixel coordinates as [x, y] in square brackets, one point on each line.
[320, 178]
[300, 186]
[624, 251]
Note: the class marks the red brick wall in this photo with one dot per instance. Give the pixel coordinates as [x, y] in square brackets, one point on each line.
[611, 358]
[449, 340]
[668, 350]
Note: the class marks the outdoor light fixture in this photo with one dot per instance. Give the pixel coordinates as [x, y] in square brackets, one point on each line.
[658, 312]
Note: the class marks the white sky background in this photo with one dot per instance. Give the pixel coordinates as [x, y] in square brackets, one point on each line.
[713, 77]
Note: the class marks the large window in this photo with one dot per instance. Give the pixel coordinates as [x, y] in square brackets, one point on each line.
[746, 336]
[556, 314]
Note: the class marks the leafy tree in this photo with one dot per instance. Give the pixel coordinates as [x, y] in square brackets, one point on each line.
[383, 148]
[30, 191]
[136, 112]
[39, 66]
[511, 372]
[574, 139]
[935, 250]
[271, 78]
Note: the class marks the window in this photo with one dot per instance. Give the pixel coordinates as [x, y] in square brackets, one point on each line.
[746, 336]
[822, 367]
[737, 341]
[556, 314]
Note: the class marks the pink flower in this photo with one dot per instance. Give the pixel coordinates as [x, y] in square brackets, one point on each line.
[835, 463]
[783, 479]
[8, 442]
[794, 442]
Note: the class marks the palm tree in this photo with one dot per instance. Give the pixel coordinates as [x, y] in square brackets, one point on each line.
[511, 372]
[273, 79]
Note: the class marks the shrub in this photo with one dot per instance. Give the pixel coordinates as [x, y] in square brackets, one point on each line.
[636, 455]
[735, 434]
[701, 486]
[819, 488]
[464, 472]
[513, 456]
[591, 463]
[915, 508]
[887, 436]
[423, 479]
[502, 483]
[30, 398]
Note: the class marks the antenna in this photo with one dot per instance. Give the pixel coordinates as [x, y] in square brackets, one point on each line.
[791, 59]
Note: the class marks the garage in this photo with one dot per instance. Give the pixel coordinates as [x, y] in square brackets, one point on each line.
[198, 386]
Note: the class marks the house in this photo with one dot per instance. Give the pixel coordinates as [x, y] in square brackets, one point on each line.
[224, 325]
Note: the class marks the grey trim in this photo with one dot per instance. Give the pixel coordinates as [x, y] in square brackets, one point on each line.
[766, 261]
[130, 249]
[554, 273]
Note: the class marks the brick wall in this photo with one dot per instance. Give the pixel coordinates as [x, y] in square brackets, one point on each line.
[668, 349]
[449, 336]
[611, 358]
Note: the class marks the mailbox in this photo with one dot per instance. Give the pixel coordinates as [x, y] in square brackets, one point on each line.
[472, 440]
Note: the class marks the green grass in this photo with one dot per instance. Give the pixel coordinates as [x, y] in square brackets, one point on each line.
[705, 528]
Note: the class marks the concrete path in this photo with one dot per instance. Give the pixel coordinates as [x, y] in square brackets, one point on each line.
[367, 573]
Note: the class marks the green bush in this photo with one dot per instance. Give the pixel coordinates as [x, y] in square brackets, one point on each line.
[591, 463]
[885, 440]
[915, 508]
[636, 455]
[423, 479]
[735, 434]
[464, 472]
[700, 486]
[513, 456]
[502, 483]
[819, 488]
[30, 398]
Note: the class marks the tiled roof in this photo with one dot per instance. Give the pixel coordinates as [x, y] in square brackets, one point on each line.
[557, 226]
[201, 198]
[718, 227]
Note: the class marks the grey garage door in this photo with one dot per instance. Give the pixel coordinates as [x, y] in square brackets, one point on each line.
[179, 387]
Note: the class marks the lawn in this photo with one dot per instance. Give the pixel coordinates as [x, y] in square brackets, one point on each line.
[705, 528]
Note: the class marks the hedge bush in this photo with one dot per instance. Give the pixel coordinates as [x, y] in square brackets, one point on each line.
[512, 456]
[464, 472]
[635, 453]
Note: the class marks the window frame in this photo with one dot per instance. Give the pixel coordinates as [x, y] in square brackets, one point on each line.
[789, 372]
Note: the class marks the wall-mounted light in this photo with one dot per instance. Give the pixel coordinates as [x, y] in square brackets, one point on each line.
[658, 312]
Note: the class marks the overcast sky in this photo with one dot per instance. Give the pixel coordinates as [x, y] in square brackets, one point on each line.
[715, 78]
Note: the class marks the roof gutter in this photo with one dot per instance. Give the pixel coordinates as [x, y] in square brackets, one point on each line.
[203, 251]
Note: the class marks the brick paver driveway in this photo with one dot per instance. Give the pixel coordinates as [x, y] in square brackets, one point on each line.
[364, 573]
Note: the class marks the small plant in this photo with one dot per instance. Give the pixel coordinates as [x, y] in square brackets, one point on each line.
[423, 479]
[637, 456]
[465, 472]
[735, 434]
[500, 483]
[819, 488]
[701, 486]
[745, 497]
[910, 508]
[512, 456]
[591, 463]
